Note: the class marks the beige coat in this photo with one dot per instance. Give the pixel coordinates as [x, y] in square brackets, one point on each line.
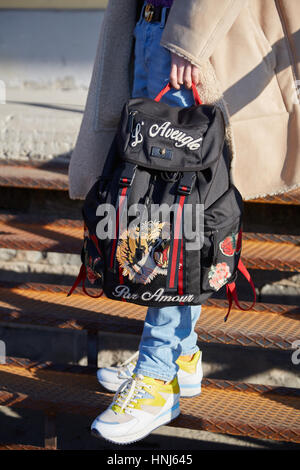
[248, 52]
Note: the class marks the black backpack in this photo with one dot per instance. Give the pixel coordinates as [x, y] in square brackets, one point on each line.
[162, 225]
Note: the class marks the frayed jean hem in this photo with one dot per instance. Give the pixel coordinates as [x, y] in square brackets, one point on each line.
[190, 352]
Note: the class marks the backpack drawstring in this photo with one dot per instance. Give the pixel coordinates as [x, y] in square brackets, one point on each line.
[81, 278]
[232, 292]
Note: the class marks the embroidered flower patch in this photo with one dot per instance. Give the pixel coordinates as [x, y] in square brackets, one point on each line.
[230, 244]
[218, 275]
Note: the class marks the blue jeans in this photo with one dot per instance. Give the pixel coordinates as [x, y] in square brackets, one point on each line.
[168, 331]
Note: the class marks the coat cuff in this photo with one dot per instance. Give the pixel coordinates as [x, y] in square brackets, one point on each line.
[195, 27]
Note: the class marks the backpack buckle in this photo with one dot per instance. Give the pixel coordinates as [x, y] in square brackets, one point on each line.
[127, 175]
[186, 183]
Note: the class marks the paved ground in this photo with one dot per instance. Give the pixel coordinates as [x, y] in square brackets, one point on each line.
[40, 124]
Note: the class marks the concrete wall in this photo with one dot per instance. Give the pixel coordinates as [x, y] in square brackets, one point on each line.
[48, 48]
[46, 61]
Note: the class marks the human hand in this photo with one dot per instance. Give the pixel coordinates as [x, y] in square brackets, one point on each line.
[183, 72]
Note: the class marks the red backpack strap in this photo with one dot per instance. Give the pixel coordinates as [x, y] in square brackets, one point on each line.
[168, 87]
[81, 278]
[232, 293]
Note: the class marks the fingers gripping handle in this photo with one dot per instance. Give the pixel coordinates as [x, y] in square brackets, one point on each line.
[168, 87]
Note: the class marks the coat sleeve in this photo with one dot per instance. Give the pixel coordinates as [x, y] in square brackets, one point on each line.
[195, 27]
[109, 90]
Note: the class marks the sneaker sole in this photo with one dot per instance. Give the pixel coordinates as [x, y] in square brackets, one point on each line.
[165, 419]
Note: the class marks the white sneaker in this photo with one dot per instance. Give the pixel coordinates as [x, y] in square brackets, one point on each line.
[189, 375]
[141, 405]
[112, 378]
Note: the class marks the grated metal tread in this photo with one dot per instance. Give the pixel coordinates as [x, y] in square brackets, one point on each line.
[20, 447]
[90, 371]
[226, 407]
[267, 325]
[20, 173]
[290, 197]
[21, 232]
[33, 177]
[260, 250]
[271, 251]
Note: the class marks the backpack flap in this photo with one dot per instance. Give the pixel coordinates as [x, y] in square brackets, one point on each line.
[159, 137]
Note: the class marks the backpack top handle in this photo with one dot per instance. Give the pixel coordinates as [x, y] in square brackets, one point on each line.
[168, 87]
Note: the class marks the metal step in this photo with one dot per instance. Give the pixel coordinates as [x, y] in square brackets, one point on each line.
[20, 232]
[271, 251]
[49, 175]
[290, 197]
[260, 250]
[225, 407]
[18, 176]
[19, 447]
[268, 326]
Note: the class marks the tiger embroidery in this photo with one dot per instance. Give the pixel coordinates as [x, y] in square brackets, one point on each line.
[142, 253]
